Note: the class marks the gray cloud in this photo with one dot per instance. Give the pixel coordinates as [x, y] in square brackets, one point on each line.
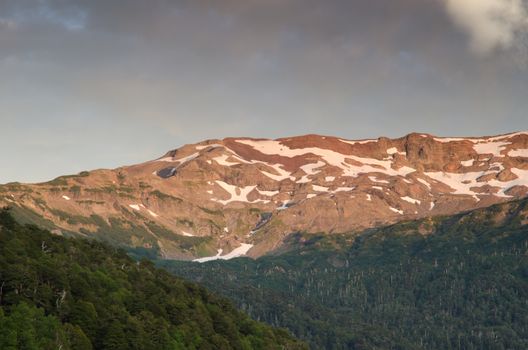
[120, 82]
[491, 24]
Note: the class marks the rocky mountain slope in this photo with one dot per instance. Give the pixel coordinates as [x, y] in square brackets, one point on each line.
[225, 198]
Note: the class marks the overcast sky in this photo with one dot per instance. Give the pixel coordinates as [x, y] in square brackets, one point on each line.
[87, 84]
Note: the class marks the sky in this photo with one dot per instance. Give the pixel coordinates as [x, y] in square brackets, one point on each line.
[88, 84]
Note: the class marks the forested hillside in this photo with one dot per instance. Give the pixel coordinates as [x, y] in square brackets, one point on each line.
[58, 293]
[458, 282]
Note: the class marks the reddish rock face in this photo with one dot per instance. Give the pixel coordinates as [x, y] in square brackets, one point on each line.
[239, 193]
[506, 175]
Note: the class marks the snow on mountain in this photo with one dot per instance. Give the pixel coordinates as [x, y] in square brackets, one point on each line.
[222, 189]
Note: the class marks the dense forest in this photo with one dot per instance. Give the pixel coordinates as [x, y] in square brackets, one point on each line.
[58, 293]
[457, 282]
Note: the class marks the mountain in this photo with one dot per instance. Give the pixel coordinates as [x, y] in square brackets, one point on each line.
[447, 282]
[224, 198]
[58, 293]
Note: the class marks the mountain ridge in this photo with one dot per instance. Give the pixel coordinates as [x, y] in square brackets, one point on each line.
[211, 198]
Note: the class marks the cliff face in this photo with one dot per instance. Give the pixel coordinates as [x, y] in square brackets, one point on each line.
[239, 195]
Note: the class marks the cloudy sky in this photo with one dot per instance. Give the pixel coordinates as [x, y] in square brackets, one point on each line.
[102, 83]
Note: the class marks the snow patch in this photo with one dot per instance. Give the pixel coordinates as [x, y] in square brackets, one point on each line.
[268, 193]
[329, 178]
[238, 194]
[134, 206]
[66, 197]
[187, 234]
[235, 253]
[311, 195]
[360, 142]
[310, 169]
[467, 162]
[284, 205]
[460, 183]
[369, 197]
[304, 179]
[507, 136]
[222, 160]
[496, 166]
[153, 214]
[451, 139]
[427, 184]
[375, 179]
[283, 174]
[411, 200]
[518, 153]
[522, 180]
[394, 150]
[319, 188]
[396, 210]
[201, 147]
[343, 189]
[491, 147]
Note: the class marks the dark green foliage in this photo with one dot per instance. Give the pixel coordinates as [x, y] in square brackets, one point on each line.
[164, 196]
[62, 180]
[27, 327]
[15, 187]
[463, 286]
[212, 212]
[69, 218]
[90, 202]
[186, 222]
[27, 215]
[122, 191]
[192, 244]
[76, 189]
[144, 185]
[59, 181]
[81, 294]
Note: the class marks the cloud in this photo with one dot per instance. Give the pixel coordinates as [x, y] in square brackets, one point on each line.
[491, 24]
[168, 72]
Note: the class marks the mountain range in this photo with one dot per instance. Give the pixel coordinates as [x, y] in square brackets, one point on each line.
[418, 242]
[220, 199]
